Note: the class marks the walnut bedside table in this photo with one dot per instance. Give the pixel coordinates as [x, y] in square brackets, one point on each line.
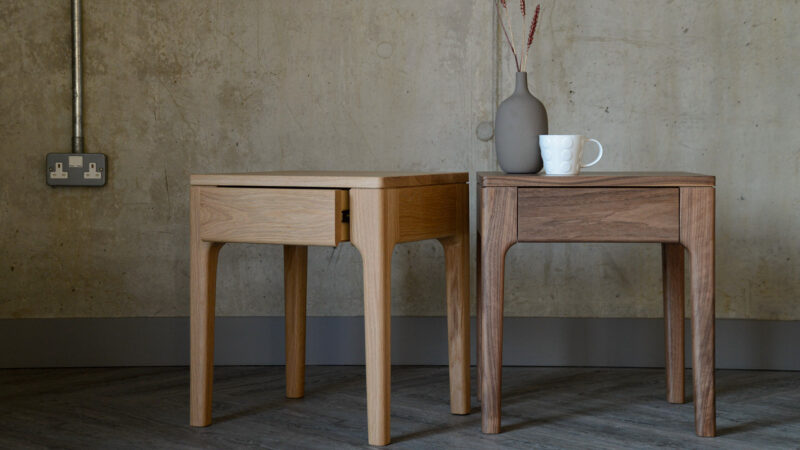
[674, 209]
[373, 210]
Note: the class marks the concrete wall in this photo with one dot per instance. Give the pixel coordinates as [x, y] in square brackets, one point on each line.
[183, 86]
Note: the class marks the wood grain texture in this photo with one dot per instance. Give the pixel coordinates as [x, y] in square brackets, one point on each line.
[203, 275]
[478, 287]
[272, 216]
[478, 297]
[598, 179]
[599, 215]
[381, 218]
[605, 214]
[672, 274]
[374, 232]
[697, 235]
[298, 217]
[498, 234]
[428, 212]
[329, 179]
[456, 253]
[295, 270]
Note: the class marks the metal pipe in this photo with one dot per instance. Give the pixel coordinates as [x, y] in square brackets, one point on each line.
[77, 79]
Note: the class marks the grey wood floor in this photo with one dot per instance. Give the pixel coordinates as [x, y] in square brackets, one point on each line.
[542, 407]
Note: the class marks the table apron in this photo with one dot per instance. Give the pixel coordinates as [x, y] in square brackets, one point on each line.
[598, 215]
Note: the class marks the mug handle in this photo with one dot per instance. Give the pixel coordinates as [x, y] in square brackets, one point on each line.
[599, 155]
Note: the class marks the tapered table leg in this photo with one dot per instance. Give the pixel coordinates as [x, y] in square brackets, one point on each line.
[478, 314]
[372, 234]
[295, 268]
[697, 235]
[203, 275]
[672, 264]
[456, 252]
[498, 233]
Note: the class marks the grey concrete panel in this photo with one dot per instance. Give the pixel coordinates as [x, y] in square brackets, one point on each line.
[173, 88]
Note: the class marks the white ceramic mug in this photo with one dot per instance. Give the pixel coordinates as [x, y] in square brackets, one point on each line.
[563, 153]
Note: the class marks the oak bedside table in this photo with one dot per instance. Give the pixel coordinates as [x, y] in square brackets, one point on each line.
[674, 209]
[373, 210]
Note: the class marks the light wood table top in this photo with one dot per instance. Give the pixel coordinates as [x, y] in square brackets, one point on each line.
[590, 179]
[329, 179]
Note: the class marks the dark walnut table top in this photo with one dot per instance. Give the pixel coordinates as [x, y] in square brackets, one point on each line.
[597, 179]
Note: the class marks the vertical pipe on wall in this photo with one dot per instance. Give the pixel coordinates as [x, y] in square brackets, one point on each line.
[77, 88]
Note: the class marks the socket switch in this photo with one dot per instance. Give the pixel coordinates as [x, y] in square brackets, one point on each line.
[76, 169]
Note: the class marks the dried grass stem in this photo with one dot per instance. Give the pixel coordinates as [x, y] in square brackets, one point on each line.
[521, 53]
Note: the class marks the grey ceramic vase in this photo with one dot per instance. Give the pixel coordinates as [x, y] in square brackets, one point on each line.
[520, 120]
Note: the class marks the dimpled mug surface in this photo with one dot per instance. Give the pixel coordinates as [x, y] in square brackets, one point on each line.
[562, 153]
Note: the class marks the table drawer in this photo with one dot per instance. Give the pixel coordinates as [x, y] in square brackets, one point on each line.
[273, 216]
[598, 214]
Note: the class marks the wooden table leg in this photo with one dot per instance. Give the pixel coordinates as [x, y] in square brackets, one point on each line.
[203, 276]
[478, 314]
[295, 269]
[697, 235]
[372, 232]
[672, 273]
[456, 252]
[498, 233]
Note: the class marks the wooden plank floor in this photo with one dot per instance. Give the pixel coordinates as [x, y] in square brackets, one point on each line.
[543, 408]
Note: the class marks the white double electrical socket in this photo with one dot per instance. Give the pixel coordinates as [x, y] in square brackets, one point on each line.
[76, 169]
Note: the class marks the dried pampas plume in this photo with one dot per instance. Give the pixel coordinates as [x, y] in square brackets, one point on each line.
[533, 26]
[530, 36]
[521, 54]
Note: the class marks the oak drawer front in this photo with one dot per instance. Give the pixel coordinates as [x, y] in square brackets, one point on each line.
[598, 214]
[273, 216]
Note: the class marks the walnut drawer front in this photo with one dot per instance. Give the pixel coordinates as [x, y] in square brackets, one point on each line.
[273, 216]
[598, 214]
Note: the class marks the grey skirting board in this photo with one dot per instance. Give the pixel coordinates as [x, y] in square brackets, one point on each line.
[528, 341]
